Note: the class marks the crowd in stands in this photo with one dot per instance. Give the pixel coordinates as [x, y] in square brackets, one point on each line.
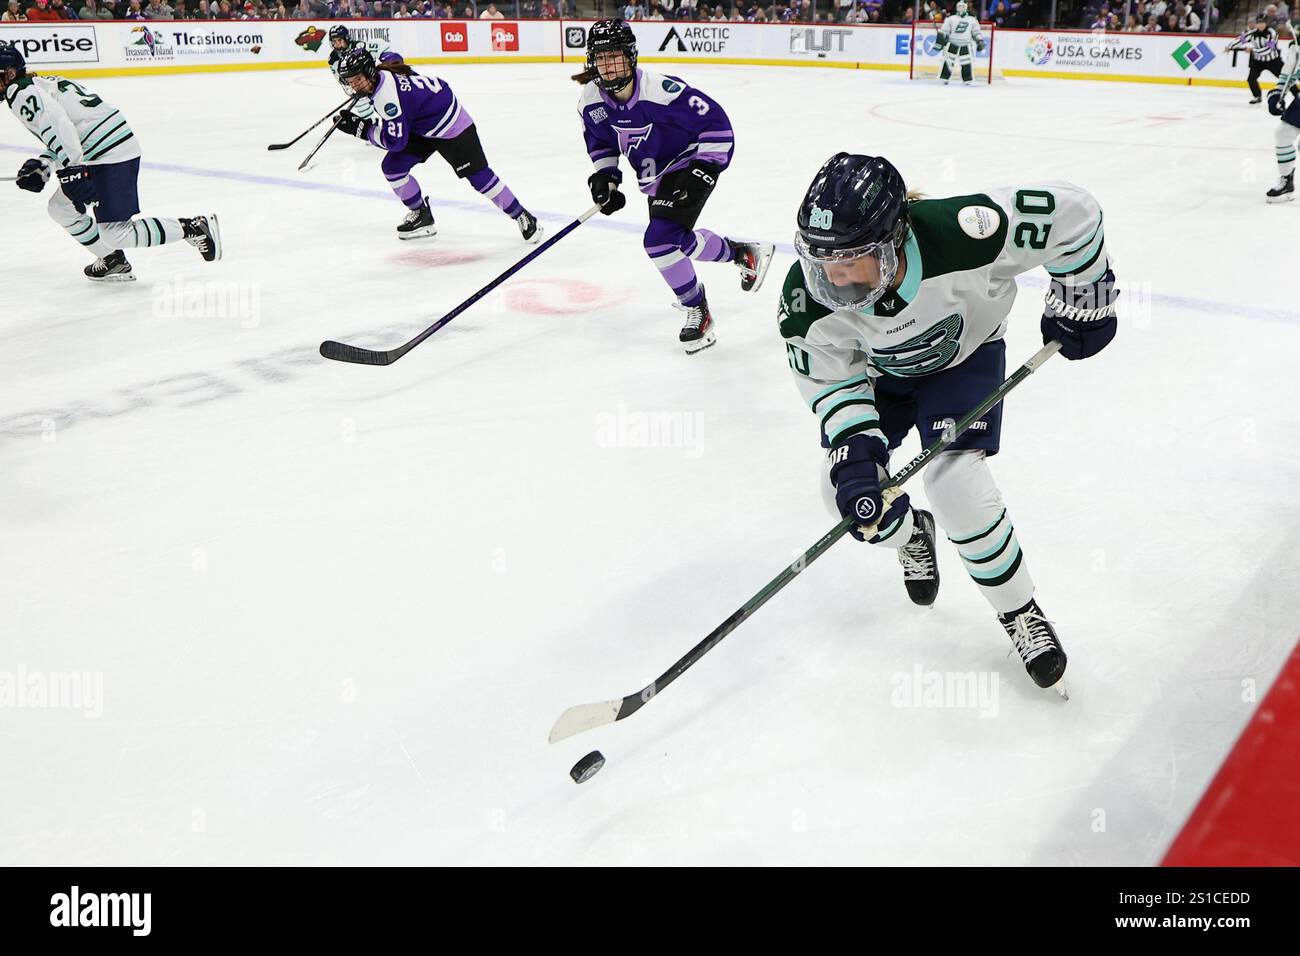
[1167, 16]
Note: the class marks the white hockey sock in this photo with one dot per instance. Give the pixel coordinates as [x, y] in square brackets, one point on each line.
[1284, 138]
[142, 233]
[968, 506]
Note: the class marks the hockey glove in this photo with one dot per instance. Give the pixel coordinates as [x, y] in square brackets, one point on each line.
[33, 176]
[1081, 318]
[352, 124]
[1276, 105]
[604, 191]
[78, 186]
[940, 46]
[857, 467]
[979, 45]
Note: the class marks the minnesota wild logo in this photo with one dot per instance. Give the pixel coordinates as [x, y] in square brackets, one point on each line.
[311, 38]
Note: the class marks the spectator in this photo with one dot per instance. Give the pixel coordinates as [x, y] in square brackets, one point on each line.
[157, 10]
[718, 15]
[90, 11]
[1189, 21]
[41, 12]
[492, 13]
[14, 13]
[549, 11]
[223, 11]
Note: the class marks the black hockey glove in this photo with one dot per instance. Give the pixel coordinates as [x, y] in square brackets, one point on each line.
[33, 176]
[352, 124]
[979, 45]
[1276, 104]
[604, 191]
[78, 186]
[1081, 318]
[857, 466]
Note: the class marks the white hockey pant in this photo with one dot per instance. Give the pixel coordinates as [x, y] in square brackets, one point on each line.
[102, 238]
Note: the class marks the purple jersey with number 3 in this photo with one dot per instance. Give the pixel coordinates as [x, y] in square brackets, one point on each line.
[415, 106]
[664, 127]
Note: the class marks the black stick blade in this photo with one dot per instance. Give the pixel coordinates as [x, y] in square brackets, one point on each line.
[274, 146]
[339, 352]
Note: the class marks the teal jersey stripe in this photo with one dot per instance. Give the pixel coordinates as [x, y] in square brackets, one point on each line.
[845, 401]
[1087, 242]
[854, 425]
[1082, 262]
[832, 389]
[91, 132]
[105, 150]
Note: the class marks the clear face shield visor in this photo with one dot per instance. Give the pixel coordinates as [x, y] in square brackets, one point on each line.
[848, 278]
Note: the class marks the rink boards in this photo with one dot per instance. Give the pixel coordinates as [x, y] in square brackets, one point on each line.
[128, 48]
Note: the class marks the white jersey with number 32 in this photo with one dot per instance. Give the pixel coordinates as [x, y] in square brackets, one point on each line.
[76, 126]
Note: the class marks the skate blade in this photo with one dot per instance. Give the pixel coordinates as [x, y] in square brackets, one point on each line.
[699, 345]
[536, 237]
[215, 228]
[118, 277]
[1277, 199]
[756, 281]
[424, 233]
[1060, 688]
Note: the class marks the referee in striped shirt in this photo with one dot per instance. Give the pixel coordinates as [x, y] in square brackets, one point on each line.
[1265, 57]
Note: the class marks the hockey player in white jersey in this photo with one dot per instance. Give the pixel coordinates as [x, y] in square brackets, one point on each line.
[340, 42]
[957, 35]
[893, 319]
[92, 150]
[1288, 127]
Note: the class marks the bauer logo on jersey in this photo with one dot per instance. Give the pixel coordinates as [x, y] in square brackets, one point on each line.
[630, 137]
[978, 222]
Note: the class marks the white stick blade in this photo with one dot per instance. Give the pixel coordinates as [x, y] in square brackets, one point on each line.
[584, 717]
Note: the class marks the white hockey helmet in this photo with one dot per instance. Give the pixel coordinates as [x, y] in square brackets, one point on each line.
[962, 8]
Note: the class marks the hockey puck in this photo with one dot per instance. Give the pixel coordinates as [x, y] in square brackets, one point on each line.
[587, 767]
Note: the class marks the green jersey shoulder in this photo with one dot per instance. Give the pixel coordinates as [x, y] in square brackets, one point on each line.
[959, 233]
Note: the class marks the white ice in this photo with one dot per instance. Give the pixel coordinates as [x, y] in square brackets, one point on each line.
[336, 609]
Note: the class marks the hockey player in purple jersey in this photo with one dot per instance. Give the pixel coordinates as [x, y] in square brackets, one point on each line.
[415, 117]
[679, 141]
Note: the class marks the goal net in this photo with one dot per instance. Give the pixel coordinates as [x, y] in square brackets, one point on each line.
[925, 60]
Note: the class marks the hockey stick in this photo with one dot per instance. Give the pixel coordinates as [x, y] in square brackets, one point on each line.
[8, 179]
[340, 352]
[346, 105]
[328, 133]
[584, 717]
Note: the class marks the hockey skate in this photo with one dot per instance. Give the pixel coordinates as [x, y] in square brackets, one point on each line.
[112, 268]
[697, 333]
[204, 234]
[529, 228]
[920, 569]
[417, 224]
[1036, 642]
[1254, 100]
[752, 258]
[1284, 191]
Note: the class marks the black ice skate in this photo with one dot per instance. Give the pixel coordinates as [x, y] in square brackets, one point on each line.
[1284, 191]
[752, 258]
[1254, 100]
[528, 227]
[418, 223]
[697, 334]
[920, 569]
[1036, 641]
[112, 268]
[204, 234]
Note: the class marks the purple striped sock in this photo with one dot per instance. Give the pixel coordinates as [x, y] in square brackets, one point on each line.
[708, 246]
[409, 191]
[491, 186]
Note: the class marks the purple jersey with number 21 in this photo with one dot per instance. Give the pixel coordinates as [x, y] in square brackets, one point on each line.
[409, 107]
[664, 127]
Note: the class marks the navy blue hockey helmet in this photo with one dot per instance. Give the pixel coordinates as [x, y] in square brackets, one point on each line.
[358, 62]
[852, 222]
[611, 36]
[339, 32]
[12, 59]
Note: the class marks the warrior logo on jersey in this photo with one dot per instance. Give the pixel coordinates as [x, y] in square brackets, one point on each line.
[631, 137]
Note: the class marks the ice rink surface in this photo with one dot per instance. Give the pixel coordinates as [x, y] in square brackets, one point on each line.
[335, 609]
